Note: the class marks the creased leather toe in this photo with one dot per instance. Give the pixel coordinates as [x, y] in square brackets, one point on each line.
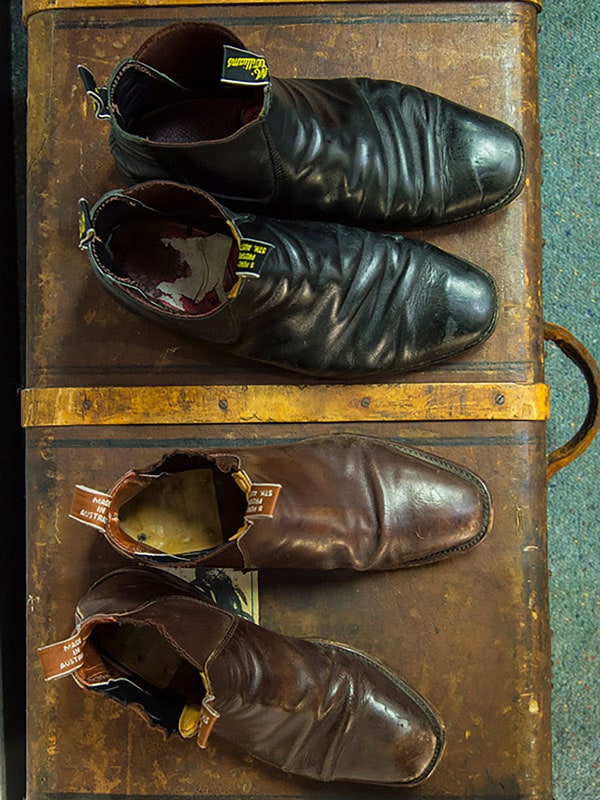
[311, 297]
[493, 164]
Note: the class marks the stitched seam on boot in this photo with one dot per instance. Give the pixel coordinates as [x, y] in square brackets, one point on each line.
[276, 161]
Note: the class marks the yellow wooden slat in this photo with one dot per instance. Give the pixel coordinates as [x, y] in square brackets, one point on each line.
[184, 405]
[33, 6]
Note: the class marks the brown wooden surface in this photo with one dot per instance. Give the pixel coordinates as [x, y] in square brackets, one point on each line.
[470, 633]
[33, 6]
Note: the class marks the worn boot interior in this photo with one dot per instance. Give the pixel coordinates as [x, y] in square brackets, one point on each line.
[149, 672]
[197, 120]
[142, 652]
[179, 266]
[185, 512]
[160, 110]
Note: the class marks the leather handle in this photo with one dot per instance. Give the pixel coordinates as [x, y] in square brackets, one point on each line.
[580, 356]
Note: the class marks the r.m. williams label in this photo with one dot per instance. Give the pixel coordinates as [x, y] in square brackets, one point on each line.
[244, 67]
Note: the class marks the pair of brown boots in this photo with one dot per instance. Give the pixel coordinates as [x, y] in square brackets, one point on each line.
[310, 707]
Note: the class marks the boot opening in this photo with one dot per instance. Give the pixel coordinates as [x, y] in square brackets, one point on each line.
[187, 512]
[142, 652]
[199, 119]
[147, 670]
[179, 266]
[157, 109]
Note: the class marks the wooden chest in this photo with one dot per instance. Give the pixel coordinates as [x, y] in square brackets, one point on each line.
[104, 394]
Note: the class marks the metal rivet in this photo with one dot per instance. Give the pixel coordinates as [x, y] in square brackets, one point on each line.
[223, 405]
[499, 399]
[365, 402]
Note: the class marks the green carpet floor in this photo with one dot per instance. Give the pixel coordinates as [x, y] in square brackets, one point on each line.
[569, 66]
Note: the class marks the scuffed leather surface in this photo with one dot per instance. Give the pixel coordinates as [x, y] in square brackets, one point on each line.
[362, 503]
[342, 302]
[374, 153]
[335, 301]
[384, 154]
[351, 502]
[315, 709]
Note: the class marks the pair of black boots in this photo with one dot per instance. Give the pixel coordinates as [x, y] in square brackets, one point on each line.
[317, 297]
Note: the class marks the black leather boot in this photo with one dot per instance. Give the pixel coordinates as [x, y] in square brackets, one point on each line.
[313, 297]
[193, 105]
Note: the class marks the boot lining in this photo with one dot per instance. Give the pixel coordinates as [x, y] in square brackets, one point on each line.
[158, 109]
[143, 653]
[186, 512]
[180, 266]
[197, 120]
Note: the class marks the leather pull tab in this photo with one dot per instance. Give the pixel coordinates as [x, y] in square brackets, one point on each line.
[90, 507]
[262, 500]
[86, 229]
[207, 721]
[97, 94]
[244, 67]
[198, 721]
[261, 497]
[251, 257]
[61, 658]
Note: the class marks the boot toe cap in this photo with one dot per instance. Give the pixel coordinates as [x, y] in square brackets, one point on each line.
[472, 306]
[454, 308]
[462, 517]
[487, 166]
[398, 738]
[440, 509]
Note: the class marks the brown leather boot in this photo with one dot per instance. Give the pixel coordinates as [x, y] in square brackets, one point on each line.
[310, 707]
[337, 501]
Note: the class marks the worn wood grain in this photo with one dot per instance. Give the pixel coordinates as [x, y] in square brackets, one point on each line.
[34, 6]
[193, 405]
